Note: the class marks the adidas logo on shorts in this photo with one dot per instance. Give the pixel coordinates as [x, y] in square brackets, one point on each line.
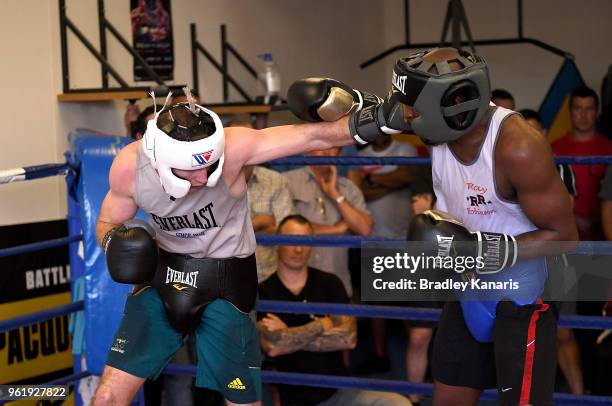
[236, 384]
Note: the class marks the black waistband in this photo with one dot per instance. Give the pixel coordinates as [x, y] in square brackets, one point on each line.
[186, 262]
[188, 284]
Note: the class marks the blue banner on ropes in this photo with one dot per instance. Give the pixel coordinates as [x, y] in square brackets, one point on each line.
[104, 298]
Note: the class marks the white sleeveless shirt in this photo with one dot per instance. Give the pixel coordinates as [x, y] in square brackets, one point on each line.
[467, 190]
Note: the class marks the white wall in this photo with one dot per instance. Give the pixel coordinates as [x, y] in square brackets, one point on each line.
[580, 28]
[307, 38]
[28, 109]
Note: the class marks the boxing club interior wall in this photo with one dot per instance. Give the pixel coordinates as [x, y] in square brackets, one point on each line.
[525, 70]
[323, 38]
[29, 86]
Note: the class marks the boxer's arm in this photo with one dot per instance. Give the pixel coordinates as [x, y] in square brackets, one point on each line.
[115, 210]
[244, 146]
[118, 205]
[526, 160]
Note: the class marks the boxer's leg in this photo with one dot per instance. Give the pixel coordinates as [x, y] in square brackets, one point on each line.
[116, 387]
[454, 395]
[525, 353]
[142, 346]
[462, 367]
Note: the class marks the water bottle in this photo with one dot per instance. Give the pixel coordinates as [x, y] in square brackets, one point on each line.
[268, 81]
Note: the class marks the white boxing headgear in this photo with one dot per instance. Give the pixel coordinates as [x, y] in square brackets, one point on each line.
[203, 149]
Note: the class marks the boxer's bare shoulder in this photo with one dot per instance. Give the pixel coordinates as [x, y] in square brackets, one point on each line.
[524, 165]
[122, 175]
[520, 144]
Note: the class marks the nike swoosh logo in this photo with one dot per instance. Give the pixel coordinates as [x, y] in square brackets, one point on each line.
[506, 389]
[179, 288]
[530, 343]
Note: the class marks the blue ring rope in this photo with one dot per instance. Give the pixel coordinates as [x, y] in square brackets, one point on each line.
[404, 313]
[350, 241]
[403, 160]
[32, 318]
[45, 170]
[345, 382]
[355, 241]
[37, 246]
[387, 312]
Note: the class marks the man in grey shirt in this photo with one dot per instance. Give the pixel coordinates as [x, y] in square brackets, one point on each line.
[334, 205]
[269, 203]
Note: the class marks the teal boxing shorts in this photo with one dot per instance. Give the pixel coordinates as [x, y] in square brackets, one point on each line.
[229, 359]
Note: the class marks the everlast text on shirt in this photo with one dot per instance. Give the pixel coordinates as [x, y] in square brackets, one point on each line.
[202, 219]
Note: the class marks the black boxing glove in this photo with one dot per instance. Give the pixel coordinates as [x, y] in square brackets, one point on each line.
[492, 252]
[131, 252]
[379, 120]
[324, 99]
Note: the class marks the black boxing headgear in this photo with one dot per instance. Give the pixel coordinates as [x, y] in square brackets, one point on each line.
[449, 102]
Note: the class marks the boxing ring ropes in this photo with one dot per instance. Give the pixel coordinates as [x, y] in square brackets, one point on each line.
[390, 312]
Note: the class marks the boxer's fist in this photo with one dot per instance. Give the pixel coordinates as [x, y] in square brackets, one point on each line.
[434, 225]
[323, 99]
[379, 120]
[131, 252]
[492, 252]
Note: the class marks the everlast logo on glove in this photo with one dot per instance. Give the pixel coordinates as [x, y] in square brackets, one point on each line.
[367, 115]
[399, 82]
[444, 245]
[370, 99]
[492, 254]
[186, 278]
[499, 251]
